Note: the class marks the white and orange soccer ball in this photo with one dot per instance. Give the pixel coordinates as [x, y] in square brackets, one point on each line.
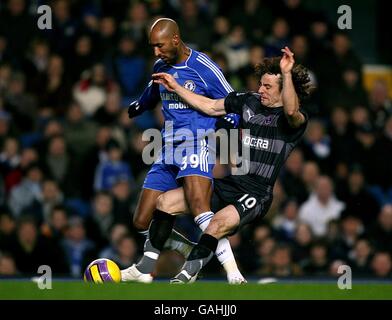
[102, 270]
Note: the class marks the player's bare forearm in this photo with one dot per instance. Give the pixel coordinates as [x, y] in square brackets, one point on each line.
[206, 105]
[291, 102]
[212, 107]
[289, 96]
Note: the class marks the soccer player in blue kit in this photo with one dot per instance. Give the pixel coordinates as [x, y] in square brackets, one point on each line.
[198, 73]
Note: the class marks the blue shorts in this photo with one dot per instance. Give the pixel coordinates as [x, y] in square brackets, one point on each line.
[170, 166]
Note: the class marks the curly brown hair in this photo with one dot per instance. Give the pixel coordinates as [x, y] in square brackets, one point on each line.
[300, 76]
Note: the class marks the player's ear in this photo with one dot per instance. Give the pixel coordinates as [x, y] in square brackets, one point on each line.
[176, 40]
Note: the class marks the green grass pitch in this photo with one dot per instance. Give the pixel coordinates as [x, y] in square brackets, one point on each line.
[77, 290]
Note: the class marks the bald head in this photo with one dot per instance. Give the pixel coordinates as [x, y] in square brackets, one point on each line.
[165, 27]
[166, 42]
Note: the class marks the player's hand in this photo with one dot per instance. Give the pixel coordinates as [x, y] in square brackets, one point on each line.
[287, 61]
[134, 109]
[167, 80]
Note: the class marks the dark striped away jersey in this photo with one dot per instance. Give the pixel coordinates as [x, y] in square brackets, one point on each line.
[268, 136]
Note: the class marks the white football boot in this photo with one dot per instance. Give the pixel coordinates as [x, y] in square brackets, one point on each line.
[133, 274]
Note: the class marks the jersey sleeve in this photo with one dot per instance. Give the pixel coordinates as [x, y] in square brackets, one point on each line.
[216, 84]
[234, 102]
[150, 96]
[293, 134]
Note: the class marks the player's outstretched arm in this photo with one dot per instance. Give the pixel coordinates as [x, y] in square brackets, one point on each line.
[212, 107]
[289, 96]
[148, 100]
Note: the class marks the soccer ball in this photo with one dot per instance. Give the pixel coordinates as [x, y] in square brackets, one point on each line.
[102, 270]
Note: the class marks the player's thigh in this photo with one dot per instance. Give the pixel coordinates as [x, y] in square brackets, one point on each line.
[224, 222]
[197, 185]
[173, 202]
[197, 190]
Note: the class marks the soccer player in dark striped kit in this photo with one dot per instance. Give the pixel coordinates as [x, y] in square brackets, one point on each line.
[272, 124]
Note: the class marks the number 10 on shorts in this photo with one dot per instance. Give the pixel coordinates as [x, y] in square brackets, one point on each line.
[249, 202]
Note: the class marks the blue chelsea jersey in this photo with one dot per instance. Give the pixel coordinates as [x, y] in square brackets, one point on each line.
[200, 75]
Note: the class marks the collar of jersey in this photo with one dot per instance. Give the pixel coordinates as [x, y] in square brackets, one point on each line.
[273, 110]
[183, 64]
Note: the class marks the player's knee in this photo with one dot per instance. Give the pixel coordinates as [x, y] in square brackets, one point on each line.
[140, 222]
[163, 204]
[218, 228]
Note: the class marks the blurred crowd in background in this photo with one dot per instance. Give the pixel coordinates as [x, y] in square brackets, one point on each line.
[70, 158]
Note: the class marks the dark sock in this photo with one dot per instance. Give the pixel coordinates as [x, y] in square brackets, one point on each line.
[206, 245]
[161, 228]
[208, 241]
